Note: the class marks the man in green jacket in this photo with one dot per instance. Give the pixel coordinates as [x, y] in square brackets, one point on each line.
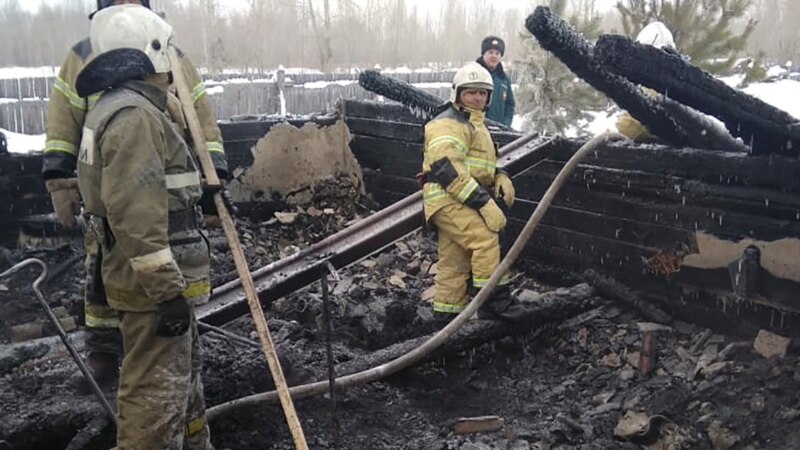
[502, 107]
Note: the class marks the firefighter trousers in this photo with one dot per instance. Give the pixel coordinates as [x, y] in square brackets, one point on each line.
[467, 249]
[102, 322]
[160, 402]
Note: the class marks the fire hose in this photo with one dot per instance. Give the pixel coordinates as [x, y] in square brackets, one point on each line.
[414, 356]
[61, 333]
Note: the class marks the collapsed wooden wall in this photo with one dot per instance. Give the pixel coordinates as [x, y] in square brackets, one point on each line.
[630, 212]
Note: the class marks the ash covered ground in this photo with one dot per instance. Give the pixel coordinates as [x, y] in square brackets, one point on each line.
[573, 384]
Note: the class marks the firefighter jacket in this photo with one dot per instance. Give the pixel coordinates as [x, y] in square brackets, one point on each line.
[460, 161]
[140, 184]
[502, 106]
[66, 113]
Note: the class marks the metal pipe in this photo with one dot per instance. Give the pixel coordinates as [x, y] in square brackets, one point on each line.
[225, 333]
[61, 333]
[414, 356]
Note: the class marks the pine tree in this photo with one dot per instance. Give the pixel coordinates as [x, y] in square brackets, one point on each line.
[551, 98]
[706, 30]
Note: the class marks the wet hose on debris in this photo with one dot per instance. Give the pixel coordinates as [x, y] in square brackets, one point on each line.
[413, 357]
[61, 333]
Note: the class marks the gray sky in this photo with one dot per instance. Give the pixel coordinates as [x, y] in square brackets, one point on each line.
[432, 6]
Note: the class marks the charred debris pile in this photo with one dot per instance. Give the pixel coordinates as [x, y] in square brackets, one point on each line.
[637, 256]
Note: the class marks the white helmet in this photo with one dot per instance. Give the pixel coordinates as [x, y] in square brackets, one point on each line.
[656, 34]
[473, 75]
[128, 42]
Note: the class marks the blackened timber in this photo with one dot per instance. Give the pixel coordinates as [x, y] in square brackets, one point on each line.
[678, 192]
[368, 109]
[766, 128]
[373, 153]
[559, 38]
[619, 228]
[385, 129]
[610, 287]
[550, 307]
[689, 217]
[774, 172]
[423, 104]
[401, 92]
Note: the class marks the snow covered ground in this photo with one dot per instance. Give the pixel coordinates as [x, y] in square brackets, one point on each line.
[23, 143]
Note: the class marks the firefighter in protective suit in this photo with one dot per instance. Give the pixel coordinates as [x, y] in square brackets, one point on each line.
[141, 185]
[461, 193]
[65, 119]
[657, 35]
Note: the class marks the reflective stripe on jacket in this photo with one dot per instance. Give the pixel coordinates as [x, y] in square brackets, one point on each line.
[140, 182]
[460, 140]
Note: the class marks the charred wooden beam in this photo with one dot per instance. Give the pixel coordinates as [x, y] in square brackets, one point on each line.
[670, 121]
[765, 128]
[420, 102]
[559, 38]
[423, 104]
[550, 307]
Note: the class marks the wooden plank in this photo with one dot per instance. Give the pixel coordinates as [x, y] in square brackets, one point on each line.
[690, 194]
[390, 157]
[606, 226]
[394, 112]
[734, 169]
[400, 131]
[688, 217]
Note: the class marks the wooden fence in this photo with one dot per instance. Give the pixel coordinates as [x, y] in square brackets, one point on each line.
[23, 101]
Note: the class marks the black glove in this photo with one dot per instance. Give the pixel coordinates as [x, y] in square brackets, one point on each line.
[207, 200]
[173, 317]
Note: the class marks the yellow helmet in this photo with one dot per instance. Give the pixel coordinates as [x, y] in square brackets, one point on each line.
[473, 75]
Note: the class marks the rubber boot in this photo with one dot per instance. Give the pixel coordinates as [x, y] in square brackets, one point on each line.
[502, 306]
[104, 368]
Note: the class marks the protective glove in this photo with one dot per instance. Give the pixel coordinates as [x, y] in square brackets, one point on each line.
[207, 200]
[66, 199]
[493, 216]
[173, 317]
[503, 187]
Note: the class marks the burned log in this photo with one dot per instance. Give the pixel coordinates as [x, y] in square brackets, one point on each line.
[671, 122]
[765, 128]
[559, 38]
[423, 104]
[551, 307]
[420, 102]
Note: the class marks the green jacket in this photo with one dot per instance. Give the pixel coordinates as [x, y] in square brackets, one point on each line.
[502, 107]
[140, 184]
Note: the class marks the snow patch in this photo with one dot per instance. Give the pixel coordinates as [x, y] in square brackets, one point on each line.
[23, 143]
[324, 84]
[215, 90]
[433, 85]
[27, 72]
[782, 94]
